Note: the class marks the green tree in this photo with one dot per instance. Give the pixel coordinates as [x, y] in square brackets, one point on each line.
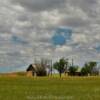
[72, 70]
[88, 68]
[61, 65]
[84, 71]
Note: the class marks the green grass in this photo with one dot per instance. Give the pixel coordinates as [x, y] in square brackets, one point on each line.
[69, 88]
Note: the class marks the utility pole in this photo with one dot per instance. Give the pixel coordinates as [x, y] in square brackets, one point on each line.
[72, 62]
[51, 67]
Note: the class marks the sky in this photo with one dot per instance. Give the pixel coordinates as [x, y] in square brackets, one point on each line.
[48, 28]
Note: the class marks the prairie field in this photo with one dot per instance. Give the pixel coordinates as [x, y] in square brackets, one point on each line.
[50, 88]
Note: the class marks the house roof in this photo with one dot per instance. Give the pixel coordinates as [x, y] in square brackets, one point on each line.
[33, 67]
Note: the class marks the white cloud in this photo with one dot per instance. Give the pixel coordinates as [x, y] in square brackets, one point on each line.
[35, 21]
[80, 38]
[63, 49]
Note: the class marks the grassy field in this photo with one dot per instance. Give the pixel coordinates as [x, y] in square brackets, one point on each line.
[69, 88]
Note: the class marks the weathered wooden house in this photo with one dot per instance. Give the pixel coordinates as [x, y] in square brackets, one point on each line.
[36, 70]
[31, 70]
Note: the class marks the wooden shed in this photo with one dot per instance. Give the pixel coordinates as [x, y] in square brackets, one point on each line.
[31, 70]
[36, 70]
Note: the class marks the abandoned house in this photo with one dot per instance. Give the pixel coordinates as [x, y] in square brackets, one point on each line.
[36, 70]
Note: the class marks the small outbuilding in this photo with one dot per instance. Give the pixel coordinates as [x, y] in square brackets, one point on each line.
[31, 70]
[36, 70]
[76, 73]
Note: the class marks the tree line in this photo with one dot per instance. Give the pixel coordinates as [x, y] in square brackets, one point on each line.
[63, 66]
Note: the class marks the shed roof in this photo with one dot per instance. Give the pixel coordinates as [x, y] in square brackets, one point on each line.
[79, 69]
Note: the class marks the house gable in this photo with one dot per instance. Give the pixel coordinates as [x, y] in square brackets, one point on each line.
[30, 68]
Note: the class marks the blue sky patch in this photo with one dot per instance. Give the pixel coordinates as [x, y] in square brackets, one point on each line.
[98, 49]
[58, 39]
[18, 40]
[61, 36]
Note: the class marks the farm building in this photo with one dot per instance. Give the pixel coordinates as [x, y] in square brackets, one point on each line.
[77, 73]
[36, 70]
[31, 70]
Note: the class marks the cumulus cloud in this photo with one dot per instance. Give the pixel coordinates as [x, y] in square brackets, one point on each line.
[27, 27]
[40, 5]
